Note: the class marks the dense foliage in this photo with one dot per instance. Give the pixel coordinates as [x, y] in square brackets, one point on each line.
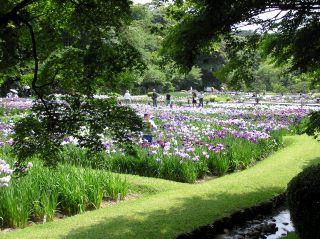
[313, 127]
[201, 22]
[76, 48]
[240, 60]
[304, 202]
[88, 120]
[232, 59]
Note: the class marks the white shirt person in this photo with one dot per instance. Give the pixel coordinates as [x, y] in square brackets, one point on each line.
[127, 97]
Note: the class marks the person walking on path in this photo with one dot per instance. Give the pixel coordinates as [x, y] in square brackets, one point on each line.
[154, 98]
[127, 97]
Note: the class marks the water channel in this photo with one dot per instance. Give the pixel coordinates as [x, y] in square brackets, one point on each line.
[269, 220]
[268, 227]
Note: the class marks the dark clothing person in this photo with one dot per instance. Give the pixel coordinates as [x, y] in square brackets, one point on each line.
[168, 99]
[194, 99]
[200, 96]
[154, 98]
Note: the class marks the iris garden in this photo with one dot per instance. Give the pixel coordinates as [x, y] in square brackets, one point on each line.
[189, 144]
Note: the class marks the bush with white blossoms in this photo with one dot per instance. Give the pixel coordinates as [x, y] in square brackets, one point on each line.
[5, 173]
[21, 169]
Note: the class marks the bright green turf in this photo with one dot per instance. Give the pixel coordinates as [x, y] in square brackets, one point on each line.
[168, 209]
[291, 235]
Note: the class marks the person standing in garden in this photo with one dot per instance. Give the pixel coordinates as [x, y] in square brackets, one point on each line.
[301, 99]
[127, 97]
[201, 96]
[191, 94]
[168, 99]
[154, 98]
[194, 99]
[148, 125]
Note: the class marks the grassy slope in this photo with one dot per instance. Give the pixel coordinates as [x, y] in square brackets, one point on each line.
[169, 209]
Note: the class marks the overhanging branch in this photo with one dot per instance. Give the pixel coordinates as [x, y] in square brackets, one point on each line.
[12, 15]
[36, 66]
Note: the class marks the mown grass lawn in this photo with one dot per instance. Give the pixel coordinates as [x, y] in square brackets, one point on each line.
[167, 209]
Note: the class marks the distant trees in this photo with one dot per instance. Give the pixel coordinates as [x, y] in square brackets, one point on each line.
[202, 22]
[248, 66]
[141, 56]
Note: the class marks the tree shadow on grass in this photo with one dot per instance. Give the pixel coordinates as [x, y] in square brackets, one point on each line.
[186, 215]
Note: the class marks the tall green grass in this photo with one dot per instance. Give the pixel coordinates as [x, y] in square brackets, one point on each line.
[239, 154]
[218, 164]
[67, 189]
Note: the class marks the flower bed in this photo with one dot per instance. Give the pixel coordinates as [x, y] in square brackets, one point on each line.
[191, 143]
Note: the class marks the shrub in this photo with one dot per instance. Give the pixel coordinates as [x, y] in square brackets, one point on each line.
[214, 98]
[303, 197]
[210, 98]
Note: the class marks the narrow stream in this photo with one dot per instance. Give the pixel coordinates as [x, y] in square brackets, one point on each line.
[268, 220]
[269, 227]
[283, 223]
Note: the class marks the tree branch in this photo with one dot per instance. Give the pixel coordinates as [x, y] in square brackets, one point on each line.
[12, 15]
[36, 66]
[300, 5]
[51, 81]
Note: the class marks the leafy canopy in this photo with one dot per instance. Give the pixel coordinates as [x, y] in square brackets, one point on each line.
[203, 21]
[75, 48]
